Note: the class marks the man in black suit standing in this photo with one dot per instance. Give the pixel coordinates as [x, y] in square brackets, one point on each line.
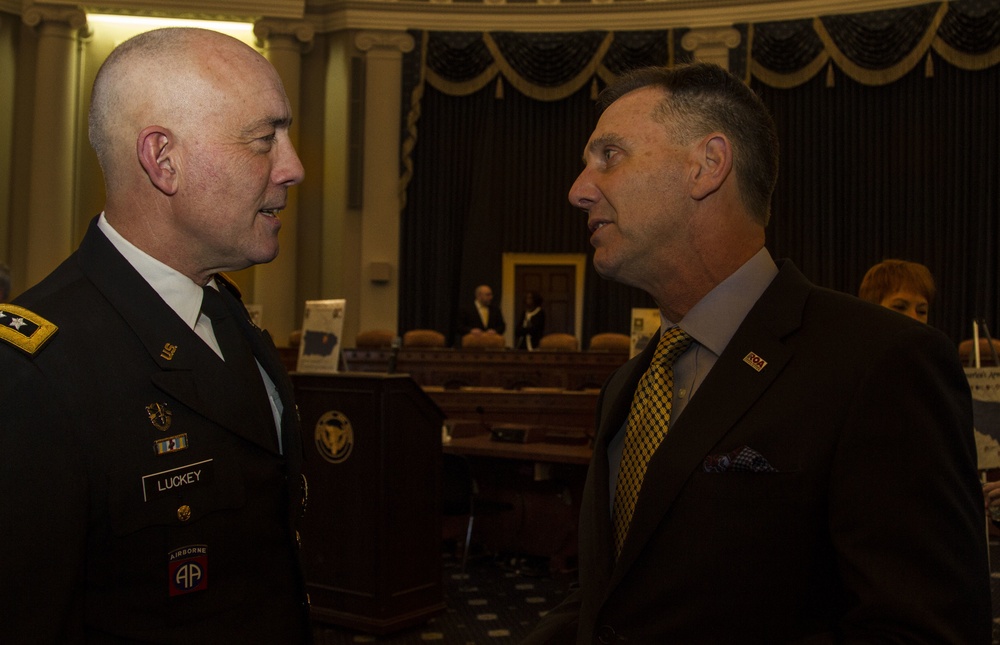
[152, 458]
[794, 465]
[482, 316]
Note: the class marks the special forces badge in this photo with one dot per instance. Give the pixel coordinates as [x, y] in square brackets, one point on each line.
[334, 437]
[160, 415]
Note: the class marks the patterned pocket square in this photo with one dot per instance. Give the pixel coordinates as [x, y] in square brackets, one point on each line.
[742, 460]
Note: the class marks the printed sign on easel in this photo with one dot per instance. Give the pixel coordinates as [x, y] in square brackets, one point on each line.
[322, 328]
[985, 385]
[645, 322]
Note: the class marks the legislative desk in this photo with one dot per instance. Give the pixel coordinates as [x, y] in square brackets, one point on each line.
[483, 445]
[480, 391]
[542, 478]
[532, 406]
[502, 368]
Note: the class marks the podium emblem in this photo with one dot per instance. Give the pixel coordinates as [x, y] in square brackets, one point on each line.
[334, 437]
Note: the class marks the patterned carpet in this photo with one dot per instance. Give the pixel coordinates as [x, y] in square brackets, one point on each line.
[498, 601]
[495, 602]
[995, 586]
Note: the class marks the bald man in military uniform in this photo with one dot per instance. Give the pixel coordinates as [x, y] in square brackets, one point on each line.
[151, 487]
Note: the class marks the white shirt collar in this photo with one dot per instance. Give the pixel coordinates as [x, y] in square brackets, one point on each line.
[179, 292]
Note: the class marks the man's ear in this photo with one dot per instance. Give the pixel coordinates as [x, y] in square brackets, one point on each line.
[714, 162]
[157, 156]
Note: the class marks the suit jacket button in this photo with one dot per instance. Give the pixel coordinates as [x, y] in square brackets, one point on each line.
[606, 635]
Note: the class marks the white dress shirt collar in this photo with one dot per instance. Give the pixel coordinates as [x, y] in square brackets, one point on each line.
[176, 289]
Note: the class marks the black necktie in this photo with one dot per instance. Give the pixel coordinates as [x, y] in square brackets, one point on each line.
[234, 345]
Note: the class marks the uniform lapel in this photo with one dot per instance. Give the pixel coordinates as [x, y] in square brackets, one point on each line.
[730, 389]
[267, 355]
[190, 371]
[271, 360]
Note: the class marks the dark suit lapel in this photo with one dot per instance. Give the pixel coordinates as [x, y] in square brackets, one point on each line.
[729, 390]
[190, 371]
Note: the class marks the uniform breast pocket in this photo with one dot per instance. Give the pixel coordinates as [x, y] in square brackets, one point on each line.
[176, 496]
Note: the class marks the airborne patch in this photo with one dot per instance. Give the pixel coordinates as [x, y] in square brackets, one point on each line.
[24, 329]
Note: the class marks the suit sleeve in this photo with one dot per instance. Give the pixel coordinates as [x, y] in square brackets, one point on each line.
[45, 508]
[905, 504]
[465, 323]
[558, 626]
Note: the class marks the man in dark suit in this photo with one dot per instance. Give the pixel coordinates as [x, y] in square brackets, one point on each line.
[151, 485]
[482, 316]
[816, 481]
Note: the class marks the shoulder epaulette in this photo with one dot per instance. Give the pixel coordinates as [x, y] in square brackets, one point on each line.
[24, 329]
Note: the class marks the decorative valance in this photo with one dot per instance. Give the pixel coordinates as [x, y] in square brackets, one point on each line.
[872, 48]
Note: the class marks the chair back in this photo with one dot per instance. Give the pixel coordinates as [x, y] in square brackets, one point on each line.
[559, 341]
[610, 342]
[966, 352]
[482, 341]
[423, 338]
[374, 339]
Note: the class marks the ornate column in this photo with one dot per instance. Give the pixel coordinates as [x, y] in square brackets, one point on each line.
[274, 286]
[53, 137]
[711, 45]
[379, 275]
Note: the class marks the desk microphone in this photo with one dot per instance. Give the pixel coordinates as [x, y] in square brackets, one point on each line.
[394, 356]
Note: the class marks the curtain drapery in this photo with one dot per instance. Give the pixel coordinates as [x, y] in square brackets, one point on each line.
[889, 144]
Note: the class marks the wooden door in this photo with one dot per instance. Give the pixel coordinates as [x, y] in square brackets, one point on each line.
[557, 285]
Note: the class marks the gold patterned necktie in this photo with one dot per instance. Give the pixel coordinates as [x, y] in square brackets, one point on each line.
[647, 425]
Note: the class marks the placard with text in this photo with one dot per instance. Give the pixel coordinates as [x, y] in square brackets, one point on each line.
[322, 329]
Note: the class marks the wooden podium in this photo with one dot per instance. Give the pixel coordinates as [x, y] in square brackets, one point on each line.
[371, 535]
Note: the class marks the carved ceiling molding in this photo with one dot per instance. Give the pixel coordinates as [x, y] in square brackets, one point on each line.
[239, 10]
[556, 16]
[485, 15]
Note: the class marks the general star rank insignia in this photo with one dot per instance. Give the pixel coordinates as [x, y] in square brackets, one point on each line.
[24, 329]
[160, 415]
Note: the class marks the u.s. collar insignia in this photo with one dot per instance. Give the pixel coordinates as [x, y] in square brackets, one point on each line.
[169, 349]
[755, 361]
[24, 329]
[160, 415]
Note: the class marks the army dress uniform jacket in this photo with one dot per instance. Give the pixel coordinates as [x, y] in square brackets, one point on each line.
[819, 487]
[145, 498]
